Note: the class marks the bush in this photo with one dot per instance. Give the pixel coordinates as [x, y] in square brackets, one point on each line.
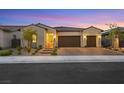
[54, 52]
[40, 47]
[5, 52]
[36, 51]
[33, 53]
[19, 53]
[18, 48]
[11, 50]
[0, 48]
[28, 50]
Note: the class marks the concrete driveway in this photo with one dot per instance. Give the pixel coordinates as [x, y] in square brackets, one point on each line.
[87, 51]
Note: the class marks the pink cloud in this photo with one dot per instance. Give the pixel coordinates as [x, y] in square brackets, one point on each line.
[81, 21]
[102, 26]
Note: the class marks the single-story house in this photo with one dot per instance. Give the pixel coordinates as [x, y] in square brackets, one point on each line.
[50, 37]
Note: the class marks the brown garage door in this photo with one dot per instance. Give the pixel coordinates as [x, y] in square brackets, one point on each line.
[91, 41]
[69, 41]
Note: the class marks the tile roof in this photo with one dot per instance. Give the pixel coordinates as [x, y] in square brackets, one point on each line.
[94, 27]
[43, 26]
[64, 29]
[109, 30]
[9, 28]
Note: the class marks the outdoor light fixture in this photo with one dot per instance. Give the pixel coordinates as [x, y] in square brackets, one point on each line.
[54, 36]
[99, 36]
[84, 36]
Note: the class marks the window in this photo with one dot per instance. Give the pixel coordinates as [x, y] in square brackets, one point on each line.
[34, 38]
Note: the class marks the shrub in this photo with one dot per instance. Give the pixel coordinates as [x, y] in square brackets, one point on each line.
[54, 52]
[36, 51]
[0, 48]
[11, 50]
[40, 47]
[28, 50]
[18, 48]
[19, 53]
[5, 52]
[33, 53]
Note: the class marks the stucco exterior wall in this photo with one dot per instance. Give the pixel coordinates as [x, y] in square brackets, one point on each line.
[7, 40]
[1, 39]
[69, 33]
[17, 33]
[91, 32]
[6, 37]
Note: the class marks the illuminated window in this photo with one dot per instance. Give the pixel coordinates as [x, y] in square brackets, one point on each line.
[34, 38]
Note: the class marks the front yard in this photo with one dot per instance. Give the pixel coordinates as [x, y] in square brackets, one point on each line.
[23, 52]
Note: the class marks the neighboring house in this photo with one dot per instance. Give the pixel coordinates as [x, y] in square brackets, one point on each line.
[50, 37]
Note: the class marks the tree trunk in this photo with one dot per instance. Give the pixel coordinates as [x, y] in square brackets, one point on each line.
[29, 45]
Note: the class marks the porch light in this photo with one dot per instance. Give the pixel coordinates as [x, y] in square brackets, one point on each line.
[54, 36]
[84, 36]
[99, 36]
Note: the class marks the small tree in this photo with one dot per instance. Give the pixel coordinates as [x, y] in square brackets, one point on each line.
[114, 35]
[27, 35]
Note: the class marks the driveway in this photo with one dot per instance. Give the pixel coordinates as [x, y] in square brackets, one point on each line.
[87, 51]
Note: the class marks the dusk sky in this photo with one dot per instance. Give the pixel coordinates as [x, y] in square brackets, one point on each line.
[63, 17]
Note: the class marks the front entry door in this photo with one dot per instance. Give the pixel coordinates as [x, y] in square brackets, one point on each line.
[49, 40]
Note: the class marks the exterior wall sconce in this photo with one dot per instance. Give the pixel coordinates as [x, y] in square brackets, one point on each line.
[54, 36]
[99, 36]
[84, 37]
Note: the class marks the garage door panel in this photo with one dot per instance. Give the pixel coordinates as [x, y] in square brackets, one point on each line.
[91, 41]
[69, 41]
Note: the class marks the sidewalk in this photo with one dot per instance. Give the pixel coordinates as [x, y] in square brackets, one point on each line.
[60, 59]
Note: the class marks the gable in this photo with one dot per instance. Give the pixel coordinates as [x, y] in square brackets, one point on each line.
[92, 31]
[33, 27]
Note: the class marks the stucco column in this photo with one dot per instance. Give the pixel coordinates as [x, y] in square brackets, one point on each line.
[55, 40]
[44, 43]
[116, 43]
[81, 40]
[84, 40]
[98, 41]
